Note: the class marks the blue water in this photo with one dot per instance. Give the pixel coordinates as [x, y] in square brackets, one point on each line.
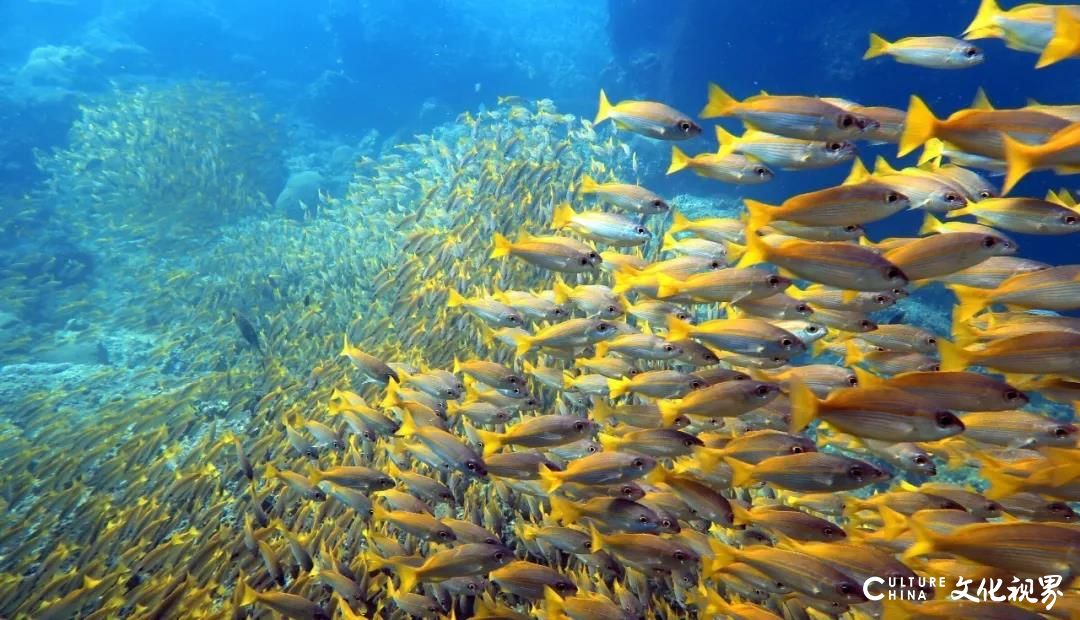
[404, 66]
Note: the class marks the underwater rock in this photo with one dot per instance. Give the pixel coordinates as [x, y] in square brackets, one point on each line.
[85, 352]
[301, 193]
[695, 207]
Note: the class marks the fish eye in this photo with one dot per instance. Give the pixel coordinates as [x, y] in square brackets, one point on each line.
[470, 465]
[628, 491]
[762, 390]
[579, 426]
[811, 329]
[710, 357]
[934, 367]
[803, 309]
[687, 443]
[893, 273]
[971, 52]
[856, 472]
[669, 348]
[587, 544]
[761, 171]
[1013, 394]
[583, 261]
[920, 460]
[558, 311]
[444, 535]
[796, 450]
[945, 419]
[696, 383]
[931, 340]
[633, 372]
[951, 197]
[847, 120]
[685, 126]
[1056, 507]
[892, 197]
[665, 523]
[989, 242]
[591, 449]
[658, 204]
[845, 588]
[881, 299]
[499, 555]
[852, 380]
[641, 230]
[786, 342]
[715, 265]
[680, 556]
[562, 585]
[833, 146]
[612, 309]
[593, 256]
[772, 281]
[828, 530]
[1069, 219]
[867, 325]
[638, 463]
[1061, 432]
[643, 519]
[851, 228]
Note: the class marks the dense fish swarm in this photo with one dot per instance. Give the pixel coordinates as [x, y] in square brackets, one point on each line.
[497, 379]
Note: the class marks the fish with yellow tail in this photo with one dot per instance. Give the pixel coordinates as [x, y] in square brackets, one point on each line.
[929, 52]
[648, 118]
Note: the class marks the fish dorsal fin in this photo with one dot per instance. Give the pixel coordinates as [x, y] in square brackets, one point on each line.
[981, 101]
[858, 173]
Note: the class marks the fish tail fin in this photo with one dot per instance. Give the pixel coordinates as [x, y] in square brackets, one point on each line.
[735, 251]
[454, 299]
[392, 398]
[727, 141]
[756, 250]
[722, 555]
[596, 539]
[562, 291]
[679, 160]
[678, 329]
[760, 215]
[926, 541]
[920, 125]
[601, 411]
[669, 242]
[1020, 159]
[804, 405]
[878, 47]
[550, 481]
[587, 185]
[742, 472]
[562, 215]
[969, 300]
[554, 605]
[1001, 484]
[953, 358]
[933, 151]
[679, 222]
[523, 344]
[604, 109]
[618, 387]
[853, 354]
[502, 247]
[492, 441]
[245, 594]
[562, 509]
[669, 412]
[408, 424]
[931, 224]
[407, 575]
[985, 17]
[667, 286]
[346, 348]
[720, 103]
[858, 173]
[601, 348]
[895, 523]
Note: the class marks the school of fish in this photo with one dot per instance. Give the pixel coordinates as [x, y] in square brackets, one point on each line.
[556, 396]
